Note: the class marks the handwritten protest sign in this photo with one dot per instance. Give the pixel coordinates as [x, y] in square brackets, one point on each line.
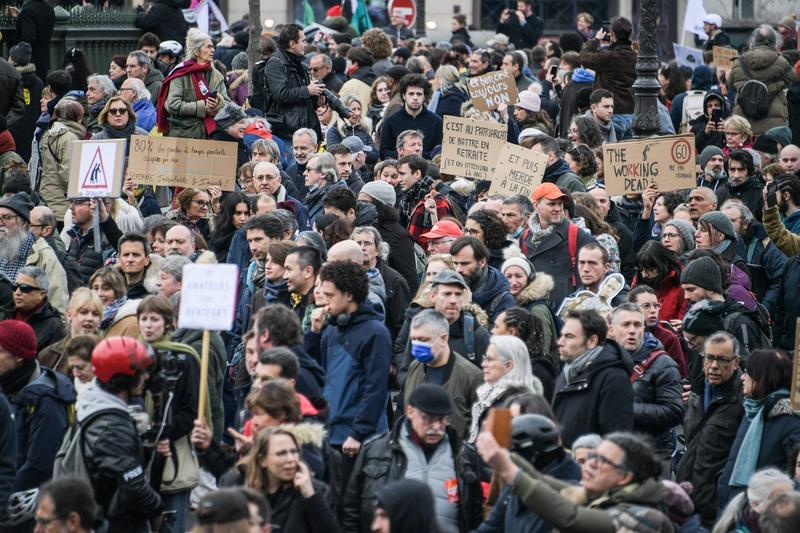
[181, 162]
[519, 171]
[491, 90]
[630, 167]
[471, 147]
[208, 296]
[724, 56]
[96, 169]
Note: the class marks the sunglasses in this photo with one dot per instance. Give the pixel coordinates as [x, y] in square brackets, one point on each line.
[118, 111]
[25, 288]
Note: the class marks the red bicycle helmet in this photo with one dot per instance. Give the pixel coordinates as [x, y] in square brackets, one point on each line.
[120, 355]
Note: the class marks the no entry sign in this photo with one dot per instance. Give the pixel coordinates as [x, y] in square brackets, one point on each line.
[405, 8]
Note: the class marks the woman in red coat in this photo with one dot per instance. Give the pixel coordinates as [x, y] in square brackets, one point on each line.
[660, 268]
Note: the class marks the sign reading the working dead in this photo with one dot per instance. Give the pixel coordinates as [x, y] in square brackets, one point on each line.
[470, 147]
[724, 56]
[96, 169]
[491, 90]
[519, 171]
[181, 162]
[208, 296]
[631, 166]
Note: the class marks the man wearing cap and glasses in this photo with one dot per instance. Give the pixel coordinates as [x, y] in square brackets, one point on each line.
[421, 446]
[441, 236]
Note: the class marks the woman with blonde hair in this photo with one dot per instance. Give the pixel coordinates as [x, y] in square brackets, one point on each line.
[450, 92]
[84, 313]
[118, 121]
[436, 264]
[357, 124]
[738, 134]
[119, 314]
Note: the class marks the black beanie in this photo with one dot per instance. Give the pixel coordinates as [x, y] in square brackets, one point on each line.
[703, 272]
[409, 504]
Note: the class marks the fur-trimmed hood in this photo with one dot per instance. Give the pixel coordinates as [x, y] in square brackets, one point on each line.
[538, 289]
[307, 433]
[206, 257]
[475, 310]
[782, 407]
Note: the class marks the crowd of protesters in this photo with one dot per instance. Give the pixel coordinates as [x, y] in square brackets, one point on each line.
[642, 344]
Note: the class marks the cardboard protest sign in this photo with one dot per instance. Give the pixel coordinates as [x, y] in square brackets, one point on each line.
[490, 90]
[182, 162]
[208, 296]
[631, 166]
[686, 56]
[724, 56]
[96, 169]
[471, 147]
[518, 171]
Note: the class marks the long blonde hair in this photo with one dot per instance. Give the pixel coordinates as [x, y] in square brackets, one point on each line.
[365, 123]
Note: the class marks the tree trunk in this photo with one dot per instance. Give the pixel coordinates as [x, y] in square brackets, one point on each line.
[254, 44]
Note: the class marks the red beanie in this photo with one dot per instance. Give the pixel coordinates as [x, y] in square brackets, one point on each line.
[18, 338]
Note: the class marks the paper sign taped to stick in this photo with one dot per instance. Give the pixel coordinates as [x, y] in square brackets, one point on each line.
[471, 147]
[491, 90]
[724, 56]
[180, 162]
[96, 169]
[631, 166]
[519, 171]
[208, 296]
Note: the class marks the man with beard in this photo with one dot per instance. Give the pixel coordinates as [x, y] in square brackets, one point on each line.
[790, 159]
[20, 247]
[743, 184]
[489, 287]
[782, 213]
[712, 162]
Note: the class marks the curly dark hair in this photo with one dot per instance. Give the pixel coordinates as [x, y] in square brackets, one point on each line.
[672, 200]
[416, 80]
[584, 156]
[347, 277]
[529, 329]
[494, 232]
[588, 131]
[676, 82]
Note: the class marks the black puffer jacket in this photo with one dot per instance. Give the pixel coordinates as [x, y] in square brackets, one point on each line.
[401, 251]
[165, 19]
[750, 193]
[383, 461]
[398, 298]
[290, 106]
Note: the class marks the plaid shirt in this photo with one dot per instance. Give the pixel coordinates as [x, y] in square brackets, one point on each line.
[420, 221]
[10, 268]
[408, 201]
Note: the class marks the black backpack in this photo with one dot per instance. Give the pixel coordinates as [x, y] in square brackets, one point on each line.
[753, 97]
[259, 97]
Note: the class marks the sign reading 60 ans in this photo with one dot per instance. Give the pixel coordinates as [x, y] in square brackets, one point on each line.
[632, 166]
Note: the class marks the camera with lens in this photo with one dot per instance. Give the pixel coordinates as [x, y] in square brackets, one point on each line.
[161, 384]
[336, 104]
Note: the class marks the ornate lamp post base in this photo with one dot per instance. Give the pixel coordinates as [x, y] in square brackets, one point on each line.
[646, 87]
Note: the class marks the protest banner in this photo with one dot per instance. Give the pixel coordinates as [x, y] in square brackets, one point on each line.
[686, 56]
[471, 147]
[518, 171]
[795, 393]
[179, 162]
[96, 169]
[491, 90]
[208, 302]
[724, 56]
[631, 166]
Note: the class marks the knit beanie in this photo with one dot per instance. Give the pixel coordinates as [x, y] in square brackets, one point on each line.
[720, 222]
[685, 230]
[18, 338]
[229, 115]
[709, 152]
[380, 191]
[20, 203]
[704, 318]
[703, 272]
[20, 54]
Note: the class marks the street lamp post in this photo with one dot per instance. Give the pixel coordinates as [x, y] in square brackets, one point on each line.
[646, 87]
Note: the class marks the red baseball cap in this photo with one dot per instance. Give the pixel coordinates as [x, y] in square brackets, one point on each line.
[443, 228]
[549, 191]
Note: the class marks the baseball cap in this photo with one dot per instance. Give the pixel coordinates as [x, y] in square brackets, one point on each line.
[550, 191]
[356, 145]
[443, 228]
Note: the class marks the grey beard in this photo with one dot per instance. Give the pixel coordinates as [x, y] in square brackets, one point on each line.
[10, 244]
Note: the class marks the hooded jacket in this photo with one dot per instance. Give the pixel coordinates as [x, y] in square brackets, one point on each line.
[702, 79]
[46, 323]
[56, 154]
[355, 351]
[598, 398]
[145, 114]
[359, 85]
[42, 412]
[18, 88]
[701, 138]
[115, 461]
[491, 293]
[43, 256]
[770, 67]
[566, 180]
[710, 432]
[34, 25]
[152, 83]
[535, 298]
[657, 401]
[165, 19]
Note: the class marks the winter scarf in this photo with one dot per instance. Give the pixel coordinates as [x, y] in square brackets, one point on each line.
[537, 233]
[574, 368]
[114, 133]
[95, 108]
[15, 380]
[110, 312]
[196, 71]
[747, 460]
[259, 275]
[11, 268]
[487, 394]
[414, 195]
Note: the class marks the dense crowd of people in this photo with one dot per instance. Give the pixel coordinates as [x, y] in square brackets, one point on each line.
[389, 315]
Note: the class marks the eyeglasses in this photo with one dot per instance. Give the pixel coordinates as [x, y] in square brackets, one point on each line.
[201, 203]
[7, 218]
[44, 522]
[432, 419]
[669, 235]
[25, 288]
[118, 111]
[722, 361]
[594, 456]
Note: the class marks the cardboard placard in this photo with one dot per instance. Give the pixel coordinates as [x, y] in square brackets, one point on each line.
[208, 296]
[498, 423]
[724, 56]
[686, 56]
[180, 162]
[490, 90]
[518, 171]
[795, 394]
[631, 166]
[471, 147]
[96, 169]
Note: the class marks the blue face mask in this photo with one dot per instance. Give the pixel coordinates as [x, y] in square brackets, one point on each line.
[422, 351]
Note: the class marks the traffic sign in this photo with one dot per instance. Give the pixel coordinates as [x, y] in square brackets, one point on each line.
[405, 8]
[96, 169]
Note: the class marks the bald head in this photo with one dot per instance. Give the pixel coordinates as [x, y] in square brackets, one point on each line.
[266, 177]
[346, 251]
[43, 221]
[133, 89]
[179, 241]
[790, 159]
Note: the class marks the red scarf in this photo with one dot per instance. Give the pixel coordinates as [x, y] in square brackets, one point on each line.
[195, 70]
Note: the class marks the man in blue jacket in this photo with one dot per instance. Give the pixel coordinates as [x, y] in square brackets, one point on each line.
[348, 337]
